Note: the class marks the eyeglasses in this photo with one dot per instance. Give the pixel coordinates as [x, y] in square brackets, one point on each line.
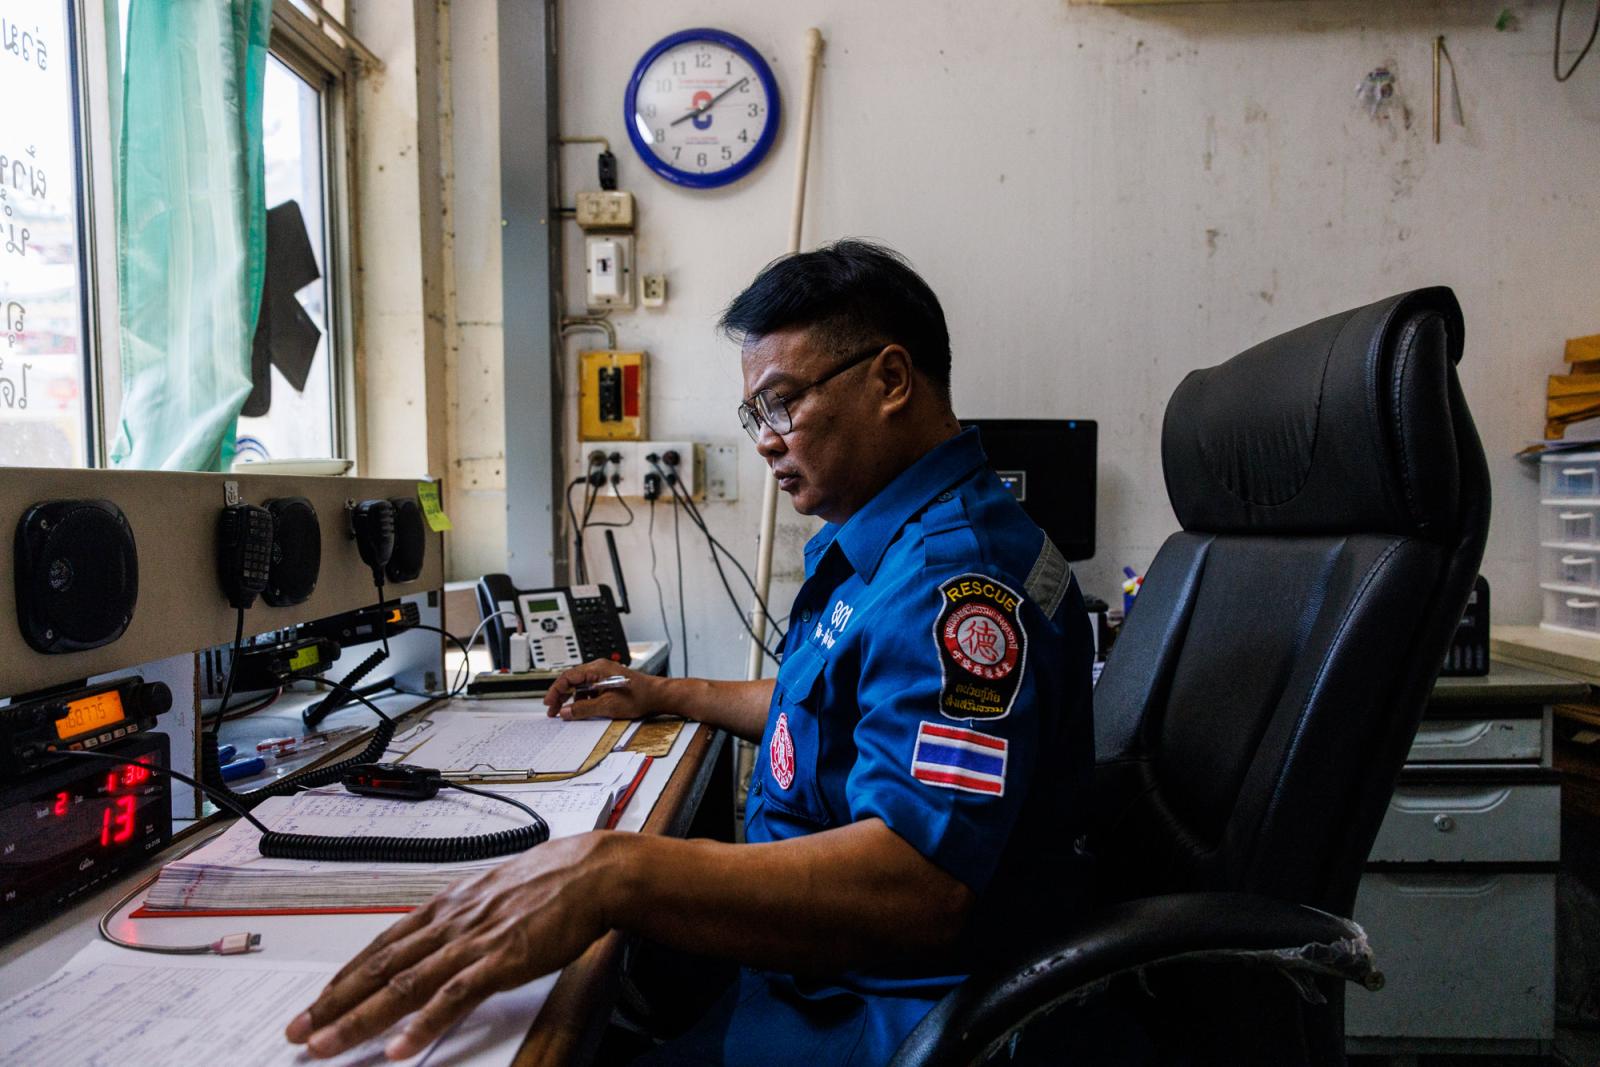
[773, 410]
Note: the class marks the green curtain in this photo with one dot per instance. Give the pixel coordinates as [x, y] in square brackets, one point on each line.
[191, 227]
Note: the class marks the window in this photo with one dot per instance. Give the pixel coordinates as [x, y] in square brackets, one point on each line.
[300, 422]
[46, 381]
[58, 250]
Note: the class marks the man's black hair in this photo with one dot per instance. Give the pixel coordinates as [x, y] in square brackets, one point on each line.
[850, 294]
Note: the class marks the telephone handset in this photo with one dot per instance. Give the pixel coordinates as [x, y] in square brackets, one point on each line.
[564, 626]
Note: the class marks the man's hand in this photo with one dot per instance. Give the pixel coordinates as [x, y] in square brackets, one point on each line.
[522, 920]
[640, 697]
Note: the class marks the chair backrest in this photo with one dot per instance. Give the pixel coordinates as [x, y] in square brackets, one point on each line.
[1266, 687]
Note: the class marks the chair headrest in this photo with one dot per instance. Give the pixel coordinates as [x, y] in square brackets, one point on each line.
[1341, 426]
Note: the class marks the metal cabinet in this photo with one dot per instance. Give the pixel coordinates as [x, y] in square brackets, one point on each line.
[1459, 893]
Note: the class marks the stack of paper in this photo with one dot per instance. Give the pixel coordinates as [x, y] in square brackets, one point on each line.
[229, 874]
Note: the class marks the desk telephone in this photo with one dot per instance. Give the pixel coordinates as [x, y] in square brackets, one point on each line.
[564, 626]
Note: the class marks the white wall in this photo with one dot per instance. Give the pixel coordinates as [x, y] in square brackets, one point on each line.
[1105, 199]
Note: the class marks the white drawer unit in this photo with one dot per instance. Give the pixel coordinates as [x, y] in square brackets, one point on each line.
[1572, 610]
[1569, 523]
[1568, 566]
[1569, 476]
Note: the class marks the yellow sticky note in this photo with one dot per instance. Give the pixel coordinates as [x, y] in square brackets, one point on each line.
[428, 497]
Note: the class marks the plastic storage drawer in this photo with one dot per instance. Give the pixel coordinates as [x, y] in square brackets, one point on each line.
[1568, 566]
[1570, 476]
[1566, 523]
[1572, 612]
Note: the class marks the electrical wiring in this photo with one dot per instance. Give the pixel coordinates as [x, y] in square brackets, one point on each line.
[717, 546]
[681, 499]
[456, 688]
[661, 598]
[227, 688]
[1555, 58]
[617, 492]
[677, 548]
[581, 567]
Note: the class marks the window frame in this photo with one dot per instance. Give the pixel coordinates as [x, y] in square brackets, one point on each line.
[300, 44]
[307, 50]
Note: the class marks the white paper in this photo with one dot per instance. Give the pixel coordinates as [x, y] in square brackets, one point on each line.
[522, 742]
[109, 1007]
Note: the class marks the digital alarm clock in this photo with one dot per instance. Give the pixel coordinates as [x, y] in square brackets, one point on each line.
[67, 828]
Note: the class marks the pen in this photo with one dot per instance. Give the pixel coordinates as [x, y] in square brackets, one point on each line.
[226, 753]
[288, 746]
[243, 768]
[594, 689]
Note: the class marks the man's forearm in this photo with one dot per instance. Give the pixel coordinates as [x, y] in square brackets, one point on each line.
[738, 707]
[823, 903]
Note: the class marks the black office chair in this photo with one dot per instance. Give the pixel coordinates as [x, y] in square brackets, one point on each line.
[1259, 703]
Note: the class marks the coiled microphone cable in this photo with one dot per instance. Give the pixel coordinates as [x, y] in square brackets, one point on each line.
[367, 848]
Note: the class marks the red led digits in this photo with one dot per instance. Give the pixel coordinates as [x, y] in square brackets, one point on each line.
[116, 822]
[63, 800]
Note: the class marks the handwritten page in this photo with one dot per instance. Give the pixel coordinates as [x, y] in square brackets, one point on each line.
[109, 1007]
[229, 873]
[518, 743]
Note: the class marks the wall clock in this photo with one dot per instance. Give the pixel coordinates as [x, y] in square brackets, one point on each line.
[702, 108]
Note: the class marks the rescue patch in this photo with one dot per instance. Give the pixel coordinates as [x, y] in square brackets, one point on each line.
[781, 753]
[953, 758]
[983, 649]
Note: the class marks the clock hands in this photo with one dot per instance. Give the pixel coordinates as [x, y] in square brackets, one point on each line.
[709, 104]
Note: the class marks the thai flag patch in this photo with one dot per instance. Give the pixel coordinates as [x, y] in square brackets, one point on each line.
[954, 758]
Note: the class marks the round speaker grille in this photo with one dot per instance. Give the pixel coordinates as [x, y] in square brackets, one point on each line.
[410, 541]
[296, 552]
[77, 575]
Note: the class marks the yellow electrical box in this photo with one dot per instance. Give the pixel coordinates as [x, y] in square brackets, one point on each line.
[611, 396]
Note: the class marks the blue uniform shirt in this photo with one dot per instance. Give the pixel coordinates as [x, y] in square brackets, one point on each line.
[935, 676]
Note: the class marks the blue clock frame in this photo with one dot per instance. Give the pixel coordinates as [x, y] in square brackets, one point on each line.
[769, 132]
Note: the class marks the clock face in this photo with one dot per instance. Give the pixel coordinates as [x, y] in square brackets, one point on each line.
[702, 108]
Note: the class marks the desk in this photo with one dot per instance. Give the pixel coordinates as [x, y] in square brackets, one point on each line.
[572, 1016]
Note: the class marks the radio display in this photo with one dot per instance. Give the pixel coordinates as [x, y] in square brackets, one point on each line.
[90, 713]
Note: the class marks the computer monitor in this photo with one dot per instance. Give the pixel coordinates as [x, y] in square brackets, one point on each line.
[1049, 466]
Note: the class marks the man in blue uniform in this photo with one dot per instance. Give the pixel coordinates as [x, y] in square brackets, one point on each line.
[923, 752]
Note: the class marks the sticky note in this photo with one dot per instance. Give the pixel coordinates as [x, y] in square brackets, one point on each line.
[428, 497]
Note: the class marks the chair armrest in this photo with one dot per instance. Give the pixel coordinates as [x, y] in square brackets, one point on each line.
[1230, 927]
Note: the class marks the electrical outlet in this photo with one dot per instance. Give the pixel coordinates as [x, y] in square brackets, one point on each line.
[653, 290]
[691, 463]
[605, 209]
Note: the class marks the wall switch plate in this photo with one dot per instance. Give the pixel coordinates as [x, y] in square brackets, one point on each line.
[608, 271]
[653, 290]
[722, 471]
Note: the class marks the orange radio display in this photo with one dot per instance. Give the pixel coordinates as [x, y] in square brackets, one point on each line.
[90, 714]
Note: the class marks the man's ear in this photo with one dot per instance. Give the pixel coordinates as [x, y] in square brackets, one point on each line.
[895, 377]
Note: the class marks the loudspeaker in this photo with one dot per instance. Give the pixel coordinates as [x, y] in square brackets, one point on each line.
[77, 576]
[410, 541]
[296, 551]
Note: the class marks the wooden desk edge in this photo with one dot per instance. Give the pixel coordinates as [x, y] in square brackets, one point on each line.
[569, 1026]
